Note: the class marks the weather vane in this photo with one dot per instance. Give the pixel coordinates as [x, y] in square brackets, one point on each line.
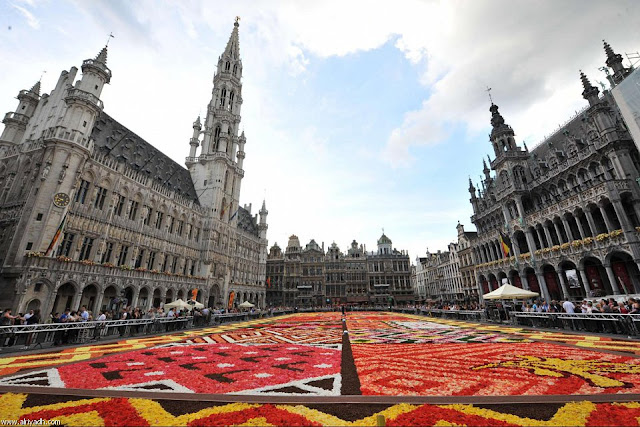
[237, 19]
[489, 92]
[109, 38]
[41, 75]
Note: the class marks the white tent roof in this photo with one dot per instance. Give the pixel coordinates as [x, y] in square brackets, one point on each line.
[246, 304]
[507, 291]
[180, 304]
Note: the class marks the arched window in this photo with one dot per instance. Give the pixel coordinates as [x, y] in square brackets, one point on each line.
[227, 66]
[231, 96]
[235, 69]
[216, 137]
[223, 97]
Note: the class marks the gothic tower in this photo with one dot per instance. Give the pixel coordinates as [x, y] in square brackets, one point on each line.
[217, 170]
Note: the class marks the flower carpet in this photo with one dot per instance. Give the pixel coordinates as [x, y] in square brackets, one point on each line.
[296, 369]
[147, 412]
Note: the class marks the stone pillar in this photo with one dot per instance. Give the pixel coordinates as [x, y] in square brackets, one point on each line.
[540, 239]
[568, 230]
[622, 216]
[530, 241]
[612, 279]
[543, 286]
[585, 282]
[606, 218]
[547, 233]
[19, 302]
[134, 298]
[557, 228]
[580, 228]
[47, 306]
[592, 223]
[97, 305]
[524, 281]
[75, 302]
[563, 285]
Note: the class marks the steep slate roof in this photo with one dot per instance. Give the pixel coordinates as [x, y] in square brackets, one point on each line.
[246, 222]
[118, 141]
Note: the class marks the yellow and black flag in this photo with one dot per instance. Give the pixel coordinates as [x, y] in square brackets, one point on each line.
[506, 250]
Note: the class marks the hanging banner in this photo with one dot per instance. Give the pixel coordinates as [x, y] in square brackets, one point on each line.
[194, 294]
[572, 278]
[232, 296]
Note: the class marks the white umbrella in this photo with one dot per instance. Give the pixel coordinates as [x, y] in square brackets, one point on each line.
[246, 304]
[507, 291]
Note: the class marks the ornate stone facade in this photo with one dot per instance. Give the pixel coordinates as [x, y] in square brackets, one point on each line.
[135, 227]
[313, 277]
[567, 209]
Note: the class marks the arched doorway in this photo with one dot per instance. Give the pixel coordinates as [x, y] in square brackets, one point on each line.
[493, 282]
[110, 299]
[532, 280]
[169, 297]
[34, 304]
[502, 278]
[596, 275]
[181, 294]
[214, 295]
[64, 298]
[157, 298]
[625, 272]
[515, 278]
[143, 298]
[89, 295]
[128, 294]
[553, 284]
[484, 284]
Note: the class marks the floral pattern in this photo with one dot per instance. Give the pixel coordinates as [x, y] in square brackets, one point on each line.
[147, 412]
[492, 369]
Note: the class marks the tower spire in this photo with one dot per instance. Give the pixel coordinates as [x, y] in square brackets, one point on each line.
[590, 92]
[36, 88]
[102, 56]
[614, 61]
[233, 45]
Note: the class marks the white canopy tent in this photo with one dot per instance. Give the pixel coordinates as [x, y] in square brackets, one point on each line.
[507, 291]
[180, 304]
[246, 304]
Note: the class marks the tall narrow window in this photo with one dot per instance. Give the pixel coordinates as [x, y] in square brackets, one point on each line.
[151, 260]
[171, 221]
[147, 219]
[180, 227]
[81, 195]
[101, 195]
[223, 97]
[235, 69]
[231, 96]
[138, 263]
[193, 268]
[164, 264]
[65, 247]
[119, 206]
[85, 250]
[106, 256]
[134, 210]
[174, 264]
[159, 220]
[216, 137]
[122, 257]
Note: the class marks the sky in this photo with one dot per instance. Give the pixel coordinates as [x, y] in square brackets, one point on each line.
[359, 115]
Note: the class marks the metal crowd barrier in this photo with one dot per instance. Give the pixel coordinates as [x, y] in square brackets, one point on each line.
[38, 335]
[608, 323]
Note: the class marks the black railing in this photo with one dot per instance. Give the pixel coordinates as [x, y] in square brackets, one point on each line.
[46, 334]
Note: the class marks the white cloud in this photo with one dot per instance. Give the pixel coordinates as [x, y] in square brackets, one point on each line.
[32, 21]
[164, 56]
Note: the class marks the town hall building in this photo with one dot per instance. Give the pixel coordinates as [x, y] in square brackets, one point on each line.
[91, 214]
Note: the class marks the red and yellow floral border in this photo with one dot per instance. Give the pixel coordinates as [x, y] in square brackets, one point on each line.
[139, 412]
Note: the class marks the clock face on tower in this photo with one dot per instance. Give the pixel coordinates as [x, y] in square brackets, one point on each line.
[61, 200]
